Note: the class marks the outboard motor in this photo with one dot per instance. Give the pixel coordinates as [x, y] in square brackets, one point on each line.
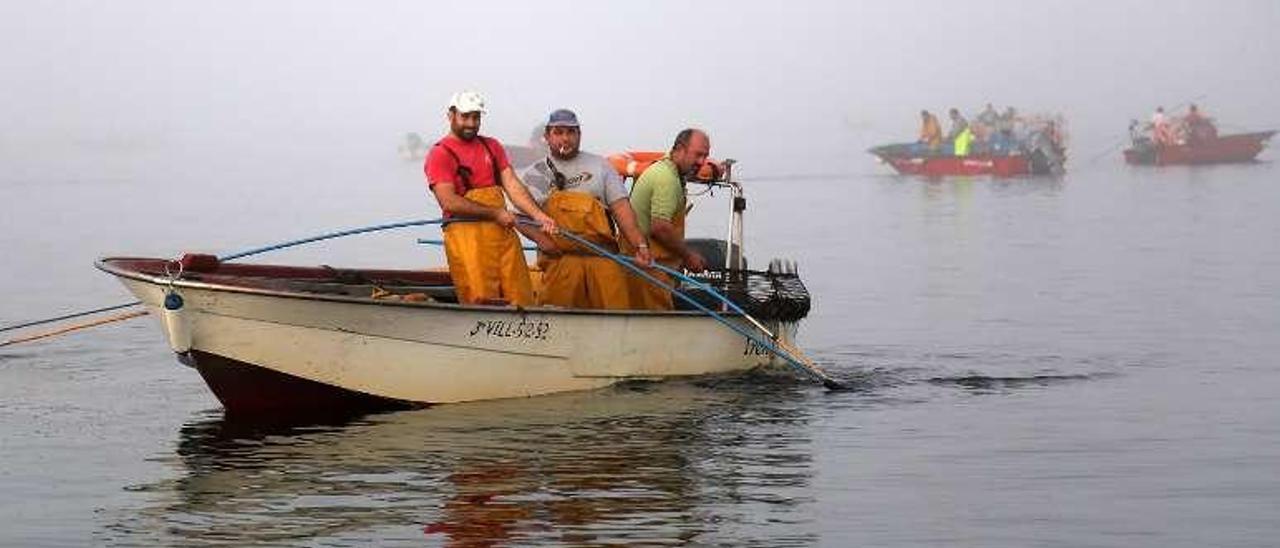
[773, 295]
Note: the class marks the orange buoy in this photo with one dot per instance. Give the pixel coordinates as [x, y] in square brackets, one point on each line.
[633, 163]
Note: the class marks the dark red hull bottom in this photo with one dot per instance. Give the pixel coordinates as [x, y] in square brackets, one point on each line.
[248, 389]
[1226, 149]
[947, 166]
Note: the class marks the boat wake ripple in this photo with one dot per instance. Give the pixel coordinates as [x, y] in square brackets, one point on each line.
[984, 382]
[893, 367]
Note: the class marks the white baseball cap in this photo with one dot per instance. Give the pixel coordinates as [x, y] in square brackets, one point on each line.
[467, 101]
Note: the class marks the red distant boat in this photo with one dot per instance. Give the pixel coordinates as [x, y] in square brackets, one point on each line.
[908, 159]
[1241, 147]
[1006, 147]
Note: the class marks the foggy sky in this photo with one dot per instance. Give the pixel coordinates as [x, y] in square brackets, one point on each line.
[794, 82]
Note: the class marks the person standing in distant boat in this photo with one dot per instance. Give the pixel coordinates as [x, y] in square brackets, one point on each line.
[585, 196]
[960, 135]
[1006, 131]
[930, 131]
[988, 117]
[1161, 132]
[658, 197]
[1200, 128]
[471, 178]
[984, 130]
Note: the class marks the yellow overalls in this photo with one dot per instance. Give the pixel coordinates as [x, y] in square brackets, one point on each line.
[485, 259]
[644, 294]
[579, 278]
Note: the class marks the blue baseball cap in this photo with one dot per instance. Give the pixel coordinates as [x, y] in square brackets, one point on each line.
[562, 118]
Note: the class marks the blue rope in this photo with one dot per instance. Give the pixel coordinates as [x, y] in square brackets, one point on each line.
[429, 241]
[329, 236]
[240, 255]
[68, 316]
[795, 364]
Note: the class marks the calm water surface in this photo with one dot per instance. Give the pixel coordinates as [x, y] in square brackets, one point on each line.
[1083, 361]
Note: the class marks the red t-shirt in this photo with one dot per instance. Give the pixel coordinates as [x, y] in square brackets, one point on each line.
[442, 167]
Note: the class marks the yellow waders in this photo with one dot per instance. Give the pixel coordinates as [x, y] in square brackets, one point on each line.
[644, 294]
[580, 278]
[485, 259]
[963, 140]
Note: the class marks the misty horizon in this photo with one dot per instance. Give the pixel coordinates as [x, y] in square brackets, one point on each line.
[767, 82]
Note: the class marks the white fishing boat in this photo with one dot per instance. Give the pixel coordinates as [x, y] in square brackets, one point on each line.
[269, 338]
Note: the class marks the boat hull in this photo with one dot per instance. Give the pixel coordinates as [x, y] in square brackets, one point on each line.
[1225, 149]
[265, 350]
[951, 166]
[255, 391]
[909, 159]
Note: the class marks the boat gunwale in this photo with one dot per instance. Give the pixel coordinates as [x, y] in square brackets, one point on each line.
[1260, 138]
[105, 264]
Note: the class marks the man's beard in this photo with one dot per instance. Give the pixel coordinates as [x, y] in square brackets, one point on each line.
[466, 134]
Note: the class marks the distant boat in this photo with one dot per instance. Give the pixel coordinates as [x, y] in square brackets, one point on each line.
[908, 159]
[1023, 145]
[412, 147]
[1223, 149]
[524, 156]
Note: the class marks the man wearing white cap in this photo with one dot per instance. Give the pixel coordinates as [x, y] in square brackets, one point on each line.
[468, 174]
[585, 196]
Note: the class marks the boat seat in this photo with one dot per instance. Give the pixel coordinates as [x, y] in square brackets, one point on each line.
[199, 262]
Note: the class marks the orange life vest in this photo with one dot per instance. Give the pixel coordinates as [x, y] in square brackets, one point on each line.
[633, 163]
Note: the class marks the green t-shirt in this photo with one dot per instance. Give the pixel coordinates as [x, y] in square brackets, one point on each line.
[657, 194]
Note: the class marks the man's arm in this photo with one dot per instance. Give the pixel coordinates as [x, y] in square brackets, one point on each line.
[460, 206]
[665, 233]
[536, 183]
[546, 243]
[524, 202]
[666, 201]
[626, 219]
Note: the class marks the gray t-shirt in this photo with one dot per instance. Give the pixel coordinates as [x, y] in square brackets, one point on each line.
[586, 172]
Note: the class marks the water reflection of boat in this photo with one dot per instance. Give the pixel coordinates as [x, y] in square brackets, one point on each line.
[636, 464]
[1236, 148]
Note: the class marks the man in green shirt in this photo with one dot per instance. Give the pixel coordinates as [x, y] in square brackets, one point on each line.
[658, 198]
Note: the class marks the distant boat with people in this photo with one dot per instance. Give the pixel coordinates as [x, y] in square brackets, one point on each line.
[412, 147]
[996, 144]
[1189, 140]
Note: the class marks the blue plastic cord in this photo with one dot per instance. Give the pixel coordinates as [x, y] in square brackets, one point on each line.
[329, 236]
[239, 255]
[429, 241]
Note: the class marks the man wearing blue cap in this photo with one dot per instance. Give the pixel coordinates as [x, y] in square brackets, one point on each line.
[584, 195]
